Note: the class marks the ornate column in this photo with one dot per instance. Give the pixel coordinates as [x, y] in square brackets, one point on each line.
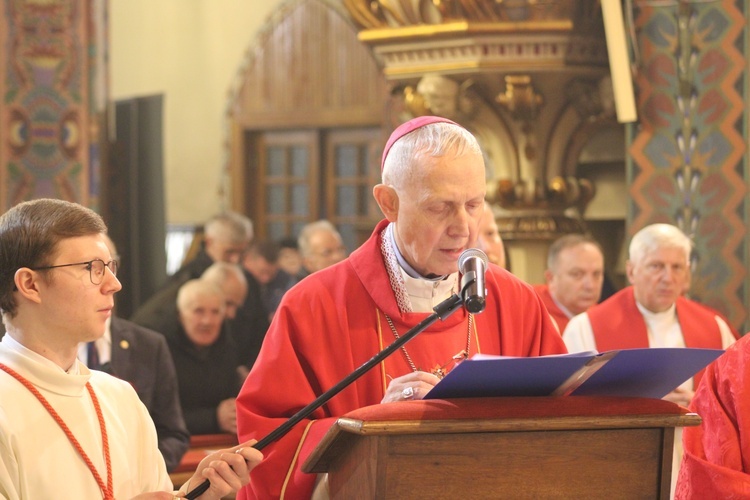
[53, 91]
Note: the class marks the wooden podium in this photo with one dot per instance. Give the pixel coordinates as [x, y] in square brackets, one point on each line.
[535, 447]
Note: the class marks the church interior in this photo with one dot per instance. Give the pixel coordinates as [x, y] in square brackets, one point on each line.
[598, 117]
[160, 115]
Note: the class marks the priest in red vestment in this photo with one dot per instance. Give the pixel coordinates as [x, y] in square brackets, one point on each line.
[574, 277]
[653, 312]
[338, 318]
[716, 460]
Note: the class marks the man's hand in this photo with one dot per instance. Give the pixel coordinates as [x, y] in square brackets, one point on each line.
[410, 386]
[682, 397]
[228, 470]
[226, 416]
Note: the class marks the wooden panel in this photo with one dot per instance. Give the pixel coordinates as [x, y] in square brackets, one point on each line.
[310, 70]
[612, 463]
[573, 464]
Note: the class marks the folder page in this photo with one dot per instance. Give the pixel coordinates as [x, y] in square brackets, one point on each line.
[494, 376]
[646, 372]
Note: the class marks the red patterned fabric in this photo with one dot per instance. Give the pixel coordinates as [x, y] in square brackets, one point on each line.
[331, 323]
[557, 314]
[716, 462]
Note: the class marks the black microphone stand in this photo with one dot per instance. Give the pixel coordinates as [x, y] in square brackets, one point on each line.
[442, 311]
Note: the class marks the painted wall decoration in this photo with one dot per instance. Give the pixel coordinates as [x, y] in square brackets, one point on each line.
[687, 152]
[53, 88]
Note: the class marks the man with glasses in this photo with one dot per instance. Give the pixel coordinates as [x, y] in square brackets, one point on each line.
[141, 357]
[66, 431]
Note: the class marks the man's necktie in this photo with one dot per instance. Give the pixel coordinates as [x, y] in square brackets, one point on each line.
[93, 356]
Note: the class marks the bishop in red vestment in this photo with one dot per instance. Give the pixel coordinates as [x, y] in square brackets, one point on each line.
[336, 319]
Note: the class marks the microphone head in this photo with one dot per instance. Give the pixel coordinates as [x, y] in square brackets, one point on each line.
[468, 254]
[472, 279]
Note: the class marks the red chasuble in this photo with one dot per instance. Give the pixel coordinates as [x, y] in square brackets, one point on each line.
[618, 324]
[559, 316]
[331, 323]
[716, 462]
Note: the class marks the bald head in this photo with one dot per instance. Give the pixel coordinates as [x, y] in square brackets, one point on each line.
[230, 279]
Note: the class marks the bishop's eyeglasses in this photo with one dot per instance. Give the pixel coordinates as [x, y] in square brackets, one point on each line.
[95, 268]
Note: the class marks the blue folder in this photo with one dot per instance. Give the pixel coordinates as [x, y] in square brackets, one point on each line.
[648, 373]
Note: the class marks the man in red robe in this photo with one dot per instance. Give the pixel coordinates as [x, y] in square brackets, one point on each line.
[653, 312]
[335, 320]
[574, 277]
[716, 463]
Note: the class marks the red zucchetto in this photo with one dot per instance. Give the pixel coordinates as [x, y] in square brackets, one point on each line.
[408, 127]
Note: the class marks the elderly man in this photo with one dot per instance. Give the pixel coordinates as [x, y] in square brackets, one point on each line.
[328, 325]
[227, 236]
[653, 312]
[67, 431]
[205, 359]
[574, 277]
[320, 246]
[238, 286]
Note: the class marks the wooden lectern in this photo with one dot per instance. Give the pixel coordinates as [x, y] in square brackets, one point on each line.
[527, 447]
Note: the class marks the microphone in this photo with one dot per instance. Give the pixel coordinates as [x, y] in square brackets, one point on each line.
[472, 264]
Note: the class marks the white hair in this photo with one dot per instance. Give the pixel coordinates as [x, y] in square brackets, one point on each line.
[229, 227]
[219, 272]
[192, 289]
[657, 236]
[307, 232]
[433, 140]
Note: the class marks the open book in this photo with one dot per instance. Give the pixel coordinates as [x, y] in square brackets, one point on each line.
[647, 372]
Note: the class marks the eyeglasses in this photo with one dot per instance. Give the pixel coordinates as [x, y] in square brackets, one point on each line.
[95, 268]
